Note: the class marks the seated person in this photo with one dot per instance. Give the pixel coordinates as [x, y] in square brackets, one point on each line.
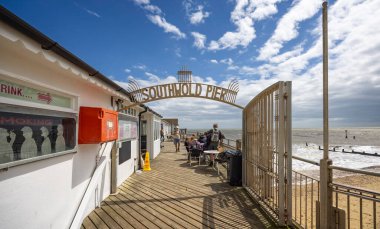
[202, 138]
[187, 144]
[194, 144]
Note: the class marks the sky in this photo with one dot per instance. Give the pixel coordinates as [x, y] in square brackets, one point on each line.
[257, 42]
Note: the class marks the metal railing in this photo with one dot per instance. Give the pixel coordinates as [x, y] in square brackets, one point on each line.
[359, 207]
[231, 143]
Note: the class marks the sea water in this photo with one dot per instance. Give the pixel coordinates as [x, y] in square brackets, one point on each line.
[306, 143]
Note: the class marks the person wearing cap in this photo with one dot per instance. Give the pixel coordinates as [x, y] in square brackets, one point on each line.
[29, 146]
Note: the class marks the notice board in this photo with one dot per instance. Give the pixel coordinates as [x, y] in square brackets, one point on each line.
[125, 152]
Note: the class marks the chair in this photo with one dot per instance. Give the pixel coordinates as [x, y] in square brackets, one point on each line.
[222, 158]
[195, 154]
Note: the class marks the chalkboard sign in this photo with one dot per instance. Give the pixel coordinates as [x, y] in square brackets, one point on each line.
[125, 152]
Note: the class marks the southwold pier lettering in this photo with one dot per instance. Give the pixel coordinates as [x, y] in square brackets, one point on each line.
[173, 90]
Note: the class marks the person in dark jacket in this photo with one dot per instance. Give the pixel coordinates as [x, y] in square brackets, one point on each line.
[214, 137]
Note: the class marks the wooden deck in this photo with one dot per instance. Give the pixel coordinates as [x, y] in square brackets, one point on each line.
[176, 195]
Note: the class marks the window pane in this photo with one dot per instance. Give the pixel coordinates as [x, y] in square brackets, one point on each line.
[25, 136]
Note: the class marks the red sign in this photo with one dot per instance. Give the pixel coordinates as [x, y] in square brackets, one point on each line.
[45, 97]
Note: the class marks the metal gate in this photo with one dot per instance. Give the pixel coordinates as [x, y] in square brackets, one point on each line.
[267, 150]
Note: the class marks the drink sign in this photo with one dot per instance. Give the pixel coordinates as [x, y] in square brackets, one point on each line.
[21, 92]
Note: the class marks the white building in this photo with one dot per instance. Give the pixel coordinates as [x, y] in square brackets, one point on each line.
[47, 179]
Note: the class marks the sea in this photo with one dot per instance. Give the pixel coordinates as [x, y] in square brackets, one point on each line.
[307, 144]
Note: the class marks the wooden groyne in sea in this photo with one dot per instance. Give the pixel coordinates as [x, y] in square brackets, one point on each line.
[352, 152]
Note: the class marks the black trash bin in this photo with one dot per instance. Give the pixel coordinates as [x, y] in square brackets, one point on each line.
[236, 169]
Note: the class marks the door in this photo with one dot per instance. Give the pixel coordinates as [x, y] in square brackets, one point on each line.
[267, 150]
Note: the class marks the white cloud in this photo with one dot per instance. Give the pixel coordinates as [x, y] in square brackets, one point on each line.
[194, 12]
[177, 52]
[140, 66]
[153, 9]
[152, 77]
[127, 70]
[193, 59]
[92, 13]
[243, 16]
[168, 28]
[214, 61]
[156, 18]
[227, 61]
[141, 2]
[287, 27]
[199, 40]
[354, 40]
[198, 16]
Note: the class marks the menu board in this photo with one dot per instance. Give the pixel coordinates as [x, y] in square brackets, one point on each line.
[127, 129]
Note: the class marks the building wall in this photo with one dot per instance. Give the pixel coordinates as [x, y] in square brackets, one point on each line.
[47, 193]
[127, 168]
[157, 141]
[153, 145]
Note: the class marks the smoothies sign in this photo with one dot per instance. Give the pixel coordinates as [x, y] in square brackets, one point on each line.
[21, 92]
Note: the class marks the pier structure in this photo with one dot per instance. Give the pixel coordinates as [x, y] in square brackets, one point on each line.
[73, 141]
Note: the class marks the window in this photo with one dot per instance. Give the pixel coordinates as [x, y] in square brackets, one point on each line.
[156, 130]
[29, 134]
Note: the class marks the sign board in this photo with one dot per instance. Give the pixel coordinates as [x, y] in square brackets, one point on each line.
[25, 93]
[127, 129]
[184, 88]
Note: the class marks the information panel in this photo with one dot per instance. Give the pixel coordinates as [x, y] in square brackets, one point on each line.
[127, 129]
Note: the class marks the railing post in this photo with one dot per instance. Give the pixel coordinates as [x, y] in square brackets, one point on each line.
[281, 157]
[244, 148]
[325, 209]
[238, 144]
[114, 167]
[289, 153]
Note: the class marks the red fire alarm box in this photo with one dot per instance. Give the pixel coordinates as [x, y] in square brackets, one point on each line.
[97, 125]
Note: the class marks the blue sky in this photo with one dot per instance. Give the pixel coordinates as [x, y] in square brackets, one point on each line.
[258, 42]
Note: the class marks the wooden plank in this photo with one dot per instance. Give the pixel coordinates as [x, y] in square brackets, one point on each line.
[107, 219]
[191, 217]
[147, 212]
[135, 218]
[87, 223]
[196, 207]
[184, 205]
[225, 210]
[117, 214]
[97, 220]
[171, 220]
[171, 213]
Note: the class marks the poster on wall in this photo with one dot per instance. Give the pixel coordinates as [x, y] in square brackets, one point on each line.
[127, 129]
[24, 136]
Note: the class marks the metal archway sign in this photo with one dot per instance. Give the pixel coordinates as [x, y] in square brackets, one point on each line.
[184, 88]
